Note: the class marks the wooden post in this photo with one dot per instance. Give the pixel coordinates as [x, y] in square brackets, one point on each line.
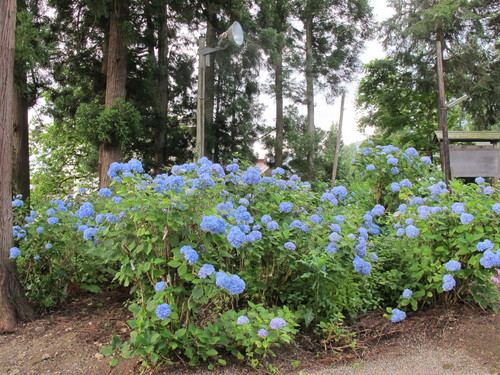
[339, 139]
[445, 145]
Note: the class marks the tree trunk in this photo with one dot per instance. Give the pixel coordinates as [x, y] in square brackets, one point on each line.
[161, 131]
[13, 304]
[338, 143]
[116, 79]
[210, 39]
[20, 143]
[310, 97]
[278, 91]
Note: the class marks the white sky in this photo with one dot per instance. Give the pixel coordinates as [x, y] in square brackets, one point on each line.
[326, 114]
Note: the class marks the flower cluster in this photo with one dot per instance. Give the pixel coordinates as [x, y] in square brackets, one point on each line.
[233, 284]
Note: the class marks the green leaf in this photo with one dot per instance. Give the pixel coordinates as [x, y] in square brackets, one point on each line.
[107, 351]
[114, 361]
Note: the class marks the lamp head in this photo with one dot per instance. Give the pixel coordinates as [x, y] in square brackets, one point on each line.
[233, 35]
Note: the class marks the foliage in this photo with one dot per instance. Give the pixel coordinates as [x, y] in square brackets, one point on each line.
[229, 261]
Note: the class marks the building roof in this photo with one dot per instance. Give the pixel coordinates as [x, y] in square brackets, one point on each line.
[473, 136]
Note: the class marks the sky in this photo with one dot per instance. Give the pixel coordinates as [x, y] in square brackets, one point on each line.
[325, 114]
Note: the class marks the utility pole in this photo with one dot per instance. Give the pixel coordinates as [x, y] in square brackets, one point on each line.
[339, 139]
[442, 114]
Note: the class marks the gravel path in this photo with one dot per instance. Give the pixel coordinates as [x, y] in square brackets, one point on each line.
[420, 361]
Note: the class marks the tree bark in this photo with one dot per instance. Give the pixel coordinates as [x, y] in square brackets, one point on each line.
[338, 143]
[116, 79]
[20, 143]
[309, 97]
[278, 91]
[13, 304]
[161, 131]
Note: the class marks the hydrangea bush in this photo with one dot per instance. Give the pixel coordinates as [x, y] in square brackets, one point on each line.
[227, 260]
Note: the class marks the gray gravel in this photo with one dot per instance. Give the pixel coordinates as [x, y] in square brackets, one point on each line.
[428, 360]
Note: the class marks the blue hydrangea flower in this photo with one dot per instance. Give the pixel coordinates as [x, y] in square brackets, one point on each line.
[29, 219]
[412, 231]
[410, 151]
[48, 245]
[316, 218]
[160, 286]
[331, 248]
[117, 200]
[496, 208]
[52, 220]
[242, 319]
[262, 332]
[373, 257]
[14, 252]
[377, 210]
[458, 208]
[397, 315]
[86, 210]
[395, 187]
[105, 192]
[485, 245]
[285, 207]
[416, 201]
[366, 151]
[163, 311]
[296, 224]
[236, 237]
[89, 233]
[266, 219]
[290, 246]
[233, 168]
[305, 228]
[361, 266]
[213, 224]
[17, 203]
[39, 230]
[233, 284]
[426, 160]
[255, 236]
[490, 259]
[448, 282]
[339, 218]
[407, 293]
[394, 170]
[244, 201]
[272, 225]
[190, 254]
[339, 191]
[400, 232]
[206, 270]
[251, 176]
[392, 161]
[36, 257]
[50, 212]
[370, 167]
[336, 228]
[453, 265]
[466, 218]
[277, 323]
[479, 180]
[278, 171]
[405, 183]
[334, 237]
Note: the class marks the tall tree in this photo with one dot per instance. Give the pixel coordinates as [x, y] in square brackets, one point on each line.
[334, 32]
[467, 31]
[13, 304]
[116, 79]
[273, 19]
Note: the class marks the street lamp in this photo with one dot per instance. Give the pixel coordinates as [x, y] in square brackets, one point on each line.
[234, 35]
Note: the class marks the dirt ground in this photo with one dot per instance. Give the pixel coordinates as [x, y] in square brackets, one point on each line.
[458, 340]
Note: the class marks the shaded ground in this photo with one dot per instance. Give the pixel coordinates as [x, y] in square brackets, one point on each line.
[459, 340]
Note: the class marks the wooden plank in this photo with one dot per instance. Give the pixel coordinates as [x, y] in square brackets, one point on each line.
[472, 136]
[474, 161]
